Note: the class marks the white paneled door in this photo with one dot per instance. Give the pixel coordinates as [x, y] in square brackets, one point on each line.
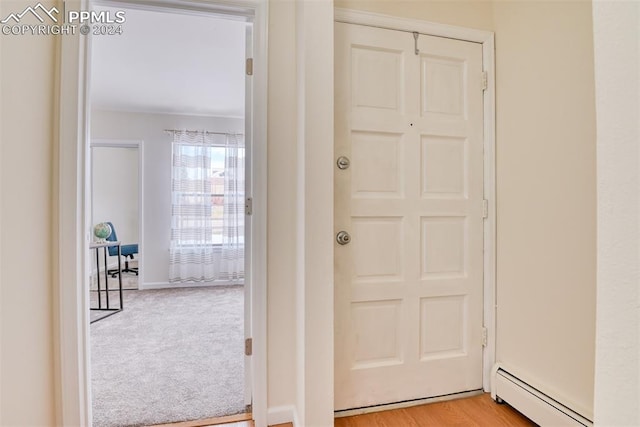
[409, 283]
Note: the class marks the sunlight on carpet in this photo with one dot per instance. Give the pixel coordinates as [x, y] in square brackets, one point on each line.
[171, 355]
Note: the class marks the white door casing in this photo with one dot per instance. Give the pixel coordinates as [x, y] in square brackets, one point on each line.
[409, 286]
[248, 221]
[73, 220]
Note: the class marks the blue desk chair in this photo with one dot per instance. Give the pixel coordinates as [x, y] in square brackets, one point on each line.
[127, 251]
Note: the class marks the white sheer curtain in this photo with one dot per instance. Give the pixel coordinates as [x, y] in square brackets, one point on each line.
[207, 208]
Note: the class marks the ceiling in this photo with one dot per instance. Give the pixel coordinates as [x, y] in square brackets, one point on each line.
[170, 63]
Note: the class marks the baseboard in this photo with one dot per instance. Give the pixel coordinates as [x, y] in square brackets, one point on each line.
[282, 415]
[167, 285]
[541, 408]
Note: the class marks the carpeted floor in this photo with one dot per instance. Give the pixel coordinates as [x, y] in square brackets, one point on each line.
[171, 355]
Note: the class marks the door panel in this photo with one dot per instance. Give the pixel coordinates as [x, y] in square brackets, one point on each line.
[408, 297]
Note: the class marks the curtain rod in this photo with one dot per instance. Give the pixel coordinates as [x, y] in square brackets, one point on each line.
[202, 131]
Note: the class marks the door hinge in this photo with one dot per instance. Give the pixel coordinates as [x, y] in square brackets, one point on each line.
[485, 208]
[485, 80]
[248, 347]
[485, 334]
[249, 67]
[248, 206]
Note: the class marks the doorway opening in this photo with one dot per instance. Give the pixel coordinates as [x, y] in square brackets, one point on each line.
[75, 230]
[116, 198]
[174, 350]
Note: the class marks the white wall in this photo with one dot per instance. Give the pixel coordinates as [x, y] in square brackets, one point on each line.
[463, 13]
[282, 210]
[617, 66]
[300, 216]
[114, 191]
[26, 220]
[546, 194]
[157, 172]
[314, 285]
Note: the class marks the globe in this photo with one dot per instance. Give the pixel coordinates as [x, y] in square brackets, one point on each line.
[102, 231]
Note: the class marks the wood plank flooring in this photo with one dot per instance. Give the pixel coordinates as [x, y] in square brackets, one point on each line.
[477, 411]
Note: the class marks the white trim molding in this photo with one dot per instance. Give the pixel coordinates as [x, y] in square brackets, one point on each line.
[72, 214]
[540, 407]
[282, 415]
[388, 22]
[168, 285]
[72, 373]
[486, 38]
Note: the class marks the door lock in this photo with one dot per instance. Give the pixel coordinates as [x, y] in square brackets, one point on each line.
[343, 238]
[343, 162]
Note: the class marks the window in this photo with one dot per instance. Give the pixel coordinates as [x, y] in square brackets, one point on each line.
[200, 194]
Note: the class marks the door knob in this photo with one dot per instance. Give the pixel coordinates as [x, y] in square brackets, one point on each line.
[343, 162]
[343, 238]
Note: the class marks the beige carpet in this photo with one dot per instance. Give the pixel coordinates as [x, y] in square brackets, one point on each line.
[170, 355]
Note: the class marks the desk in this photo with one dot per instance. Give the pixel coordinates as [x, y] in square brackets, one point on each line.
[107, 307]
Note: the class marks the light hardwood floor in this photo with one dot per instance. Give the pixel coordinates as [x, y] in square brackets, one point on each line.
[478, 411]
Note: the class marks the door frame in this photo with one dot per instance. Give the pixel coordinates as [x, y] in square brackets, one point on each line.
[72, 218]
[486, 39]
[124, 143]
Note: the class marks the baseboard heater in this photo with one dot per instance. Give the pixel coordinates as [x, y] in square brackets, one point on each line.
[537, 406]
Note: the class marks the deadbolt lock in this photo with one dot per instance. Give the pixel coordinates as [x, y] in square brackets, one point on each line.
[343, 238]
